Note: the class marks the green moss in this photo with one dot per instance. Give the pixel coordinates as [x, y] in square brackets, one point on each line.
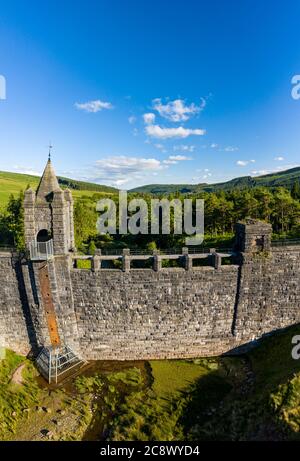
[131, 377]
[181, 390]
[171, 376]
[84, 264]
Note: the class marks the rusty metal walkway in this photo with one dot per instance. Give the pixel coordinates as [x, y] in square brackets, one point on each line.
[55, 360]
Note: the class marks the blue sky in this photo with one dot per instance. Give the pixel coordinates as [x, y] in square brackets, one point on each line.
[137, 92]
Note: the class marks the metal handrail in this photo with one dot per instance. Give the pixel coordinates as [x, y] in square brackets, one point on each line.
[163, 251]
[41, 251]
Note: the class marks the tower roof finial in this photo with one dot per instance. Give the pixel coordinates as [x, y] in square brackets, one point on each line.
[49, 154]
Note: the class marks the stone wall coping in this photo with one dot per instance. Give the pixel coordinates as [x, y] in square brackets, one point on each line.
[5, 254]
[227, 267]
[283, 248]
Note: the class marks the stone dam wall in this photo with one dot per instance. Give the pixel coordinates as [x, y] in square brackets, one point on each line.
[134, 314]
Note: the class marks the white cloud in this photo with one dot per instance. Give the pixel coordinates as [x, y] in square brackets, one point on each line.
[149, 118]
[26, 170]
[179, 157]
[184, 147]
[231, 149]
[226, 149]
[157, 131]
[161, 147]
[122, 162]
[121, 182]
[278, 168]
[244, 162]
[206, 174]
[177, 110]
[120, 169]
[259, 172]
[170, 162]
[132, 119]
[93, 106]
[174, 159]
[279, 159]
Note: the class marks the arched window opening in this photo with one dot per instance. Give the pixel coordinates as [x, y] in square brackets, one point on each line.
[43, 236]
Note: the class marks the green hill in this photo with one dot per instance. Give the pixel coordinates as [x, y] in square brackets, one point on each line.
[13, 183]
[168, 188]
[283, 178]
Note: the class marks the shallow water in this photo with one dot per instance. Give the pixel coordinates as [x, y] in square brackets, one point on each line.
[96, 430]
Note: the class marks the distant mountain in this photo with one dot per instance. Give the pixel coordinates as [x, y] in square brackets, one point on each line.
[13, 183]
[282, 178]
[168, 188]
[83, 185]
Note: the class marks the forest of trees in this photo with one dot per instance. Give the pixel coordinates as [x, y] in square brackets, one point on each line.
[279, 206]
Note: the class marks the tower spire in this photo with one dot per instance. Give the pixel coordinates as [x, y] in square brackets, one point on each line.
[48, 182]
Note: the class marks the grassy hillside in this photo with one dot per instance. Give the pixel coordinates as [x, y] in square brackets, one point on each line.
[13, 183]
[282, 178]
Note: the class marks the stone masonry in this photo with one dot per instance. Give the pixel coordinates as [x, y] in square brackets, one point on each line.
[130, 313]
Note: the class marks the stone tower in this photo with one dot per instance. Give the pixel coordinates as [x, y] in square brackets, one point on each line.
[253, 236]
[48, 213]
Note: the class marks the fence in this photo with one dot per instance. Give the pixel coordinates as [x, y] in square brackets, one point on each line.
[164, 251]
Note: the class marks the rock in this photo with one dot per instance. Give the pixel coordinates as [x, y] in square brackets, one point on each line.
[47, 433]
[47, 409]
[61, 412]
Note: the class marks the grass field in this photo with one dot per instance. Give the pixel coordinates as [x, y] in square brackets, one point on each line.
[13, 183]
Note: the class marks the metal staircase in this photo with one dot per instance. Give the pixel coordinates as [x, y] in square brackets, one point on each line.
[55, 361]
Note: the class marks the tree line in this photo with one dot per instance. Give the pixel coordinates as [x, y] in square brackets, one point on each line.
[278, 206]
[222, 210]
